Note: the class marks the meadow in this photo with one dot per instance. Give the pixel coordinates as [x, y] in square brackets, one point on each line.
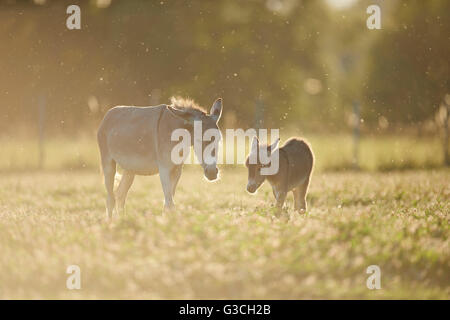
[221, 242]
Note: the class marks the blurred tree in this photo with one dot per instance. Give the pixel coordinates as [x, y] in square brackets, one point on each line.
[409, 73]
[288, 53]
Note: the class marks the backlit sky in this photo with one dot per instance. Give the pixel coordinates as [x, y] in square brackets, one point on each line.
[341, 4]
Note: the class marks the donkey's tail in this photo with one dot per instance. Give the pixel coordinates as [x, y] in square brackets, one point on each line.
[101, 142]
[117, 176]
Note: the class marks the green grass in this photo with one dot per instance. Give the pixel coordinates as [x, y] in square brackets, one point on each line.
[224, 243]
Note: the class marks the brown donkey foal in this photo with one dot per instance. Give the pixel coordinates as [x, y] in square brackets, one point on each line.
[295, 164]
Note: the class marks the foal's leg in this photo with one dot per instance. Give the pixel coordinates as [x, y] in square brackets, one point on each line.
[280, 200]
[302, 190]
[166, 182]
[122, 190]
[280, 195]
[109, 171]
[296, 193]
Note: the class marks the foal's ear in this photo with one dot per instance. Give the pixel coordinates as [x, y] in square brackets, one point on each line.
[216, 110]
[273, 146]
[181, 114]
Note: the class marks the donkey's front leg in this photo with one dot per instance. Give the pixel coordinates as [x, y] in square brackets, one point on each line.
[166, 182]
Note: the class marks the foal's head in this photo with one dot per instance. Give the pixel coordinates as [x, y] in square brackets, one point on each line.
[205, 133]
[256, 161]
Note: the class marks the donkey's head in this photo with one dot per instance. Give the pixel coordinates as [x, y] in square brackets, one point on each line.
[256, 161]
[205, 133]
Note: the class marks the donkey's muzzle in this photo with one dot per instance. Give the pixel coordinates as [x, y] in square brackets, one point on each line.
[211, 173]
[252, 187]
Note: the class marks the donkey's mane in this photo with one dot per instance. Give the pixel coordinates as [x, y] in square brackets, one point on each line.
[187, 104]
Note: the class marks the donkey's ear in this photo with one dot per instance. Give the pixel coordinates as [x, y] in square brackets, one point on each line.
[181, 114]
[273, 146]
[216, 110]
[255, 143]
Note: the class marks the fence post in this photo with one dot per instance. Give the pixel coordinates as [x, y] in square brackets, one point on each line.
[356, 133]
[259, 113]
[41, 127]
[446, 114]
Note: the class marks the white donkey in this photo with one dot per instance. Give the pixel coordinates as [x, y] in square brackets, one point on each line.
[139, 140]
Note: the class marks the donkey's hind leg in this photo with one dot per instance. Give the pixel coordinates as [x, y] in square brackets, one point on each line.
[175, 175]
[109, 171]
[166, 182]
[122, 189]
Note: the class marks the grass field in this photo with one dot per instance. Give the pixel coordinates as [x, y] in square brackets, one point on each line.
[223, 242]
